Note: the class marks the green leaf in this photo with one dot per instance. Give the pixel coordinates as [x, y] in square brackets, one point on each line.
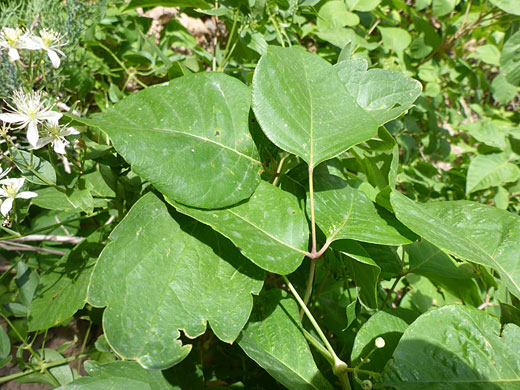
[168, 3]
[26, 281]
[274, 339]
[61, 373]
[343, 212]
[303, 107]
[487, 53]
[363, 270]
[490, 170]
[160, 279]
[388, 325]
[52, 199]
[510, 59]
[443, 7]
[362, 5]
[395, 39]
[63, 288]
[270, 228]
[198, 149]
[503, 92]
[334, 14]
[124, 375]
[5, 348]
[468, 230]
[384, 94]
[510, 6]
[33, 168]
[491, 132]
[457, 348]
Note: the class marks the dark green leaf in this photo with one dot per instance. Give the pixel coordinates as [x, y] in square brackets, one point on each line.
[270, 228]
[274, 339]
[457, 348]
[161, 279]
[198, 149]
[471, 231]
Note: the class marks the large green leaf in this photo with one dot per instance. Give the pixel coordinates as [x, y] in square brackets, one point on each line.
[156, 279]
[457, 348]
[270, 228]
[343, 212]
[189, 138]
[363, 270]
[490, 170]
[124, 375]
[334, 14]
[510, 6]
[384, 94]
[63, 288]
[468, 230]
[443, 7]
[395, 39]
[274, 339]
[510, 59]
[303, 107]
[39, 171]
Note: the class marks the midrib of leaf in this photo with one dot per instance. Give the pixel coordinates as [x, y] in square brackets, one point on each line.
[194, 136]
[266, 233]
[311, 127]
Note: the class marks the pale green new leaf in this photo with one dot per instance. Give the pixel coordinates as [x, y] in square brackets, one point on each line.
[343, 212]
[443, 7]
[156, 279]
[189, 138]
[457, 348]
[362, 5]
[510, 59]
[303, 107]
[471, 231]
[510, 6]
[270, 228]
[63, 288]
[335, 14]
[384, 94]
[274, 338]
[395, 39]
[490, 170]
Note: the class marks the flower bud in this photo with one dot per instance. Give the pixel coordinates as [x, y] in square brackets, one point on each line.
[380, 342]
[366, 384]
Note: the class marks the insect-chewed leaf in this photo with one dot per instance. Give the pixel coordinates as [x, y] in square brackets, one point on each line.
[156, 279]
[189, 138]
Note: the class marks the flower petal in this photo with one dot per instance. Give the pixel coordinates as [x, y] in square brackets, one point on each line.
[51, 116]
[41, 142]
[12, 118]
[13, 55]
[54, 57]
[7, 205]
[32, 133]
[27, 195]
[59, 146]
[68, 131]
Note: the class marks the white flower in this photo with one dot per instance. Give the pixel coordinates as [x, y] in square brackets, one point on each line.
[55, 134]
[29, 112]
[13, 39]
[10, 190]
[4, 173]
[49, 40]
[380, 342]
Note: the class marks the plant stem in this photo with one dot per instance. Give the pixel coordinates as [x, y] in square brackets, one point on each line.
[275, 24]
[394, 285]
[339, 367]
[228, 44]
[310, 282]
[43, 367]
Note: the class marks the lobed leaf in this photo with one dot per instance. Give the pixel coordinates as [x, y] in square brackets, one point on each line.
[155, 279]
